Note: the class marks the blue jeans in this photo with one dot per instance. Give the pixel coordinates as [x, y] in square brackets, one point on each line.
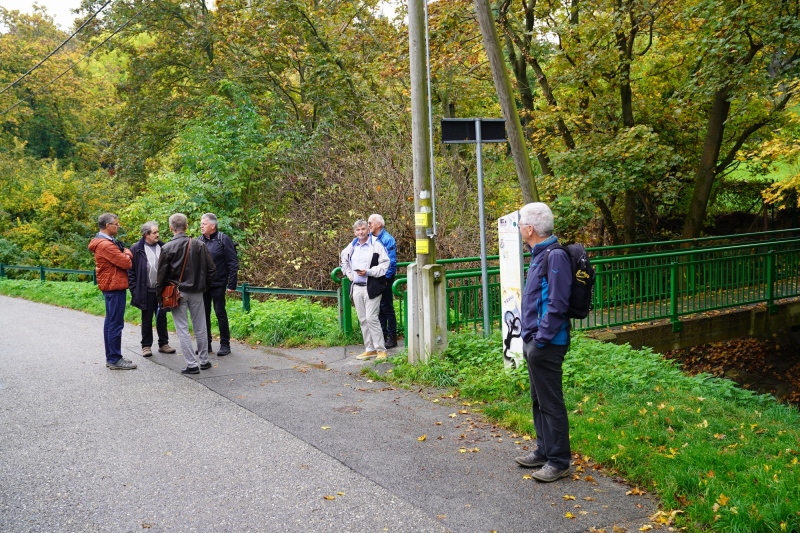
[115, 321]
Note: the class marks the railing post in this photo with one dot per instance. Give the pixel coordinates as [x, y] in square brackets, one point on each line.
[771, 307]
[673, 298]
[2, 270]
[245, 298]
[94, 277]
[347, 308]
[41, 273]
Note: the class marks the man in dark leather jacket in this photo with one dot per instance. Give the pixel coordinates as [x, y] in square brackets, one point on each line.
[194, 279]
[142, 284]
[223, 252]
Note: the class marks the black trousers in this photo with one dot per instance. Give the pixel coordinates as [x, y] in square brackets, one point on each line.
[549, 412]
[386, 314]
[148, 312]
[217, 296]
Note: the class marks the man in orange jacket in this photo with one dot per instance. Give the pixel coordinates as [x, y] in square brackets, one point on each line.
[113, 261]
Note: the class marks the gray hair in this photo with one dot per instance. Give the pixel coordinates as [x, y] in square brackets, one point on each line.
[178, 222]
[358, 223]
[147, 227]
[378, 218]
[539, 217]
[105, 219]
[211, 218]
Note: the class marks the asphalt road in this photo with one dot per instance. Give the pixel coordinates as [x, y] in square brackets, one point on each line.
[266, 440]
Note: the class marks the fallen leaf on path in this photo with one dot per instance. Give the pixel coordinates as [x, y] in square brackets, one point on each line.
[422, 438]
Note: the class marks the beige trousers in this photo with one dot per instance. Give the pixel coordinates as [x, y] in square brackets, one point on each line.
[367, 309]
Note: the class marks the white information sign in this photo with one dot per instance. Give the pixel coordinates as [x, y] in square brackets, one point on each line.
[511, 284]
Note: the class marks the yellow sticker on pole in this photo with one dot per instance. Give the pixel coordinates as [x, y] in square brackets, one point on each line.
[422, 246]
[422, 220]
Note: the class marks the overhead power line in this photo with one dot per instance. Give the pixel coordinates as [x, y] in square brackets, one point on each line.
[59, 47]
[85, 56]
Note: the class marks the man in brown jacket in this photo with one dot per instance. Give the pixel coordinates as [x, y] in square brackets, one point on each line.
[113, 261]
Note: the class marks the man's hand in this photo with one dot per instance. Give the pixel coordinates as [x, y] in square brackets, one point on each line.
[361, 272]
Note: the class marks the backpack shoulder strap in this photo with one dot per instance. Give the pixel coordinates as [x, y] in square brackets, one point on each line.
[545, 262]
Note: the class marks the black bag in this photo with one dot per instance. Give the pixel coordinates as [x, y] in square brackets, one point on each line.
[375, 286]
[582, 295]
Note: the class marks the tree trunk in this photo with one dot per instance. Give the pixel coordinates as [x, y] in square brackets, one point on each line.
[707, 171]
[502, 83]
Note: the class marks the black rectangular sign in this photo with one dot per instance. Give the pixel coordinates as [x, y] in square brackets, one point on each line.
[462, 130]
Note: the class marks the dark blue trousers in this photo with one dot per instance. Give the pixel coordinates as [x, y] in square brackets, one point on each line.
[151, 310]
[549, 411]
[113, 324]
[386, 314]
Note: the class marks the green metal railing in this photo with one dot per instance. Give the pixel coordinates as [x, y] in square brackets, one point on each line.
[43, 271]
[630, 287]
[646, 286]
[245, 289]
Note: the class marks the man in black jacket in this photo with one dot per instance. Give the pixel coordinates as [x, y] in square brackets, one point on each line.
[142, 284]
[192, 274]
[223, 252]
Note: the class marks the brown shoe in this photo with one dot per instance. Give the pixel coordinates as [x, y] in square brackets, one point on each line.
[166, 349]
[381, 355]
[366, 355]
[146, 351]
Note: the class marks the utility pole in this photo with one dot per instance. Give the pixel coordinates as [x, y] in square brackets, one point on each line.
[505, 92]
[427, 305]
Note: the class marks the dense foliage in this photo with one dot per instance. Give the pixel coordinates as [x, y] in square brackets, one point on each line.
[290, 119]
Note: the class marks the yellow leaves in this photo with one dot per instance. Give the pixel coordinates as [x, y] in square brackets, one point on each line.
[643, 411]
[569, 515]
[325, 427]
[329, 498]
[703, 424]
[636, 491]
[453, 415]
[646, 527]
[568, 497]
[527, 476]
[664, 518]
[723, 500]
[422, 438]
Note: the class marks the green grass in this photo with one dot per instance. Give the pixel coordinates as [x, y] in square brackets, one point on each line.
[273, 322]
[726, 457]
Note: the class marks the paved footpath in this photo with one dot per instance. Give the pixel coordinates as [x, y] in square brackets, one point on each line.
[269, 440]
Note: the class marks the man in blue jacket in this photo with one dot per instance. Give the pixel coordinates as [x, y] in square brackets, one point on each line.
[546, 336]
[142, 284]
[223, 252]
[386, 315]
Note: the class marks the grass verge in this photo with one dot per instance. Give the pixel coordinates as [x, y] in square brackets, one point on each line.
[724, 458]
[274, 322]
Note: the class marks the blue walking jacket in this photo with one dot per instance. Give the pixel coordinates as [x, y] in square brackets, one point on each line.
[545, 300]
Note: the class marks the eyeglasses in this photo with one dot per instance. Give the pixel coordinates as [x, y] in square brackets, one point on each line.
[114, 224]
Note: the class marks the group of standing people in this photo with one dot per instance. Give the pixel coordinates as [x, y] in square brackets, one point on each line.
[370, 263]
[204, 269]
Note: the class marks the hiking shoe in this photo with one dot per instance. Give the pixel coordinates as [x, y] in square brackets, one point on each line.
[391, 341]
[205, 366]
[166, 349]
[147, 351]
[380, 356]
[366, 355]
[190, 370]
[122, 364]
[550, 473]
[224, 349]
[532, 460]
